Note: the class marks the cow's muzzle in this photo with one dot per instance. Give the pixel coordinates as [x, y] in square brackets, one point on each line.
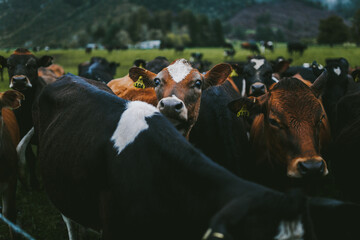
[173, 108]
[20, 82]
[308, 167]
[257, 89]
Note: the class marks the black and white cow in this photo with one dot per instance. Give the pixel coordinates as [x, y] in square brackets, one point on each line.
[98, 69]
[134, 176]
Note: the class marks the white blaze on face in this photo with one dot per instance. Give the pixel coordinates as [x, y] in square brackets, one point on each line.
[258, 63]
[179, 69]
[337, 71]
[132, 123]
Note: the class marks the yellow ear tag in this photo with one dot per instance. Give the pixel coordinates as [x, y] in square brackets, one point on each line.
[141, 66]
[243, 112]
[357, 79]
[139, 83]
[234, 73]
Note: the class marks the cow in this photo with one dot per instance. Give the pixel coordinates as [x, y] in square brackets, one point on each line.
[310, 72]
[51, 73]
[9, 138]
[293, 47]
[179, 49]
[266, 45]
[124, 87]
[255, 77]
[23, 68]
[88, 50]
[1, 72]
[96, 175]
[288, 134]
[252, 46]
[98, 69]
[178, 89]
[229, 53]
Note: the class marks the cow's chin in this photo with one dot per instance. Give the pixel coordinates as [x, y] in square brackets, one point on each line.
[20, 88]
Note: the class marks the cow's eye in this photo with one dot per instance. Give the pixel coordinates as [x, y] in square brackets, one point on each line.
[274, 123]
[321, 119]
[157, 82]
[198, 84]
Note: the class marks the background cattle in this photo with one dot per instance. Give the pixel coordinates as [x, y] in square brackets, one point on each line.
[299, 47]
[23, 68]
[289, 132]
[252, 46]
[229, 53]
[9, 138]
[98, 69]
[51, 73]
[266, 45]
[88, 176]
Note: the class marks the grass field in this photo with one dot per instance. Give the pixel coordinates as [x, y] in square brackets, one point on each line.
[36, 215]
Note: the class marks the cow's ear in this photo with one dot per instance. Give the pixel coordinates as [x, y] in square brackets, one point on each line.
[3, 62]
[247, 107]
[217, 75]
[44, 61]
[11, 99]
[356, 75]
[142, 78]
[319, 84]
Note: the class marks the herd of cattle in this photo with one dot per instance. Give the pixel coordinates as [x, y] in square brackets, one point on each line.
[238, 151]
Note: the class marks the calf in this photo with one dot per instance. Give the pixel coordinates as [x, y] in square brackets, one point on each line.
[23, 76]
[9, 138]
[178, 89]
[98, 69]
[289, 131]
[96, 176]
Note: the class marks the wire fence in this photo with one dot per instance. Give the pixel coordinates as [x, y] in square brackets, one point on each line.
[16, 228]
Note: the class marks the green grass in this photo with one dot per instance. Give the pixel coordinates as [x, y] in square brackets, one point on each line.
[35, 213]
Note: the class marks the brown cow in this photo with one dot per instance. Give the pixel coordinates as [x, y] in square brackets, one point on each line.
[10, 137]
[178, 89]
[289, 129]
[51, 73]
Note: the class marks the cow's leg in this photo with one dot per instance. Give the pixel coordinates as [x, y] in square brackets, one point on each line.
[9, 204]
[31, 162]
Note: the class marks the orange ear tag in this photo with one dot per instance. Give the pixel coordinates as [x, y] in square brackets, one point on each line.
[139, 83]
[243, 112]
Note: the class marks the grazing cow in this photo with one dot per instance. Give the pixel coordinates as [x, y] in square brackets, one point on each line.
[124, 87]
[266, 45]
[289, 131]
[51, 73]
[96, 176]
[252, 46]
[98, 69]
[9, 138]
[23, 67]
[88, 50]
[178, 88]
[179, 49]
[293, 47]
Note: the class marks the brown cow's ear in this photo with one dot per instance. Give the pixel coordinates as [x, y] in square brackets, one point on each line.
[11, 99]
[142, 77]
[217, 75]
[44, 61]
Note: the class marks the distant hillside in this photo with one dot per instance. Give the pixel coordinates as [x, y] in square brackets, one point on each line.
[295, 19]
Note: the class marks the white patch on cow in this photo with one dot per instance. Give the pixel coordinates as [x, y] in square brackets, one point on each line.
[179, 70]
[274, 79]
[132, 122]
[306, 65]
[243, 88]
[337, 71]
[258, 63]
[292, 230]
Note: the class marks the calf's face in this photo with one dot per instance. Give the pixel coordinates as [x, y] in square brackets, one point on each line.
[23, 68]
[289, 128]
[178, 89]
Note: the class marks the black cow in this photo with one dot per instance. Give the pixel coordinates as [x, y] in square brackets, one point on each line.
[267, 45]
[1, 72]
[308, 72]
[252, 46]
[134, 175]
[293, 47]
[98, 69]
[157, 64]
[23, 76]
[229, 53]
[197, 62]
[179, 49]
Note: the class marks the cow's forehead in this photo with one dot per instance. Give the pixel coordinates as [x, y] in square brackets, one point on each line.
[21, 58]
[258, 63]
[179, 70]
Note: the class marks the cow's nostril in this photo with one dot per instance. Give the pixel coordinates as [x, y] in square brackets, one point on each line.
[262, 87]
[311, 168]
[179, 106]
[162, 105]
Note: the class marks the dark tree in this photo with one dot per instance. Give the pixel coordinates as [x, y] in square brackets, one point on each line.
[355, 29]
[333, 30]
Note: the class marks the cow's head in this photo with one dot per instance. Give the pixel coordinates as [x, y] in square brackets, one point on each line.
[98, 69]
[178, 89]
[10, 99]
[338, 70]
[289, 127]
[23, 68]
[257, 74]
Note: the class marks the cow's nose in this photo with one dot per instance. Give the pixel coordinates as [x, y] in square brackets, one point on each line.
[311, 168]
[257, 89]
[170, 104]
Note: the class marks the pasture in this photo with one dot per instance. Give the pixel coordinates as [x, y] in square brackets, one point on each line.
[36, 215]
